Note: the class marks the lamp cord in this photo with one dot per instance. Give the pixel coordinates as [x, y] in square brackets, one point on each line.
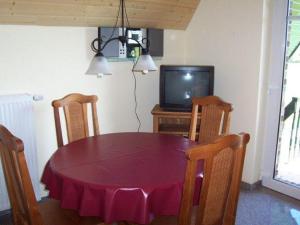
[135, 99]
[126, 14]
[135, 81]
[116, 23]
[133, 74]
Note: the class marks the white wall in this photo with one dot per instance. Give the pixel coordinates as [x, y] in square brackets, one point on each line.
[51, 61]
[228, 35]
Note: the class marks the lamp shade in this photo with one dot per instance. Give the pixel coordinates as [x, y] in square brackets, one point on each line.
[99, 66]
[144, 64]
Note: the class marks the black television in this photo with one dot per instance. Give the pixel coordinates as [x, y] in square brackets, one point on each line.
[179, 84]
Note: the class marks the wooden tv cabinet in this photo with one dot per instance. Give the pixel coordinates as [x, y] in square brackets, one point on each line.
[171, 122]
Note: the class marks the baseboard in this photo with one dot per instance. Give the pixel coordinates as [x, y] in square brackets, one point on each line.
[250, 187]
[8, 211]
[5, 212]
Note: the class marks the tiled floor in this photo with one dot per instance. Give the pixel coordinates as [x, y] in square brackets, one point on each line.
[259, 207]
[266, 207]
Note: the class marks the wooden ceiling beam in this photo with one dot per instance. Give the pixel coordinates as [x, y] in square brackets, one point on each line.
[165, 14]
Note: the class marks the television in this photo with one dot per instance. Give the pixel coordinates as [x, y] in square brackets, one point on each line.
[179, 84]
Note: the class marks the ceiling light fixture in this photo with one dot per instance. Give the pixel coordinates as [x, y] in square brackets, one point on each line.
[99, 65]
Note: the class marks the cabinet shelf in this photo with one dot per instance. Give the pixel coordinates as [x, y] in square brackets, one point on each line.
[173, 127]
[170, 122]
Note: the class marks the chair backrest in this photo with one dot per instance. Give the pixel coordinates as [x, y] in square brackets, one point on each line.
[20, 190]
[75, 110]
[223, 165]
[215, 118]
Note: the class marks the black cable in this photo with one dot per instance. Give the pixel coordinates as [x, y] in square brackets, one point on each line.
[116, 23]
[126, 14]
[136, 103]
[135, 99]
[134, 77]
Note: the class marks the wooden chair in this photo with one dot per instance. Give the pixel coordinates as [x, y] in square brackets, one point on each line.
[25, 209]
[75, 110]
[223, 166]
[215, 118]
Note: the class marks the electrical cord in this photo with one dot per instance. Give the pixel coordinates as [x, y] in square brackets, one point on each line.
[135, 81]
[135, 100]
[126, 14]
[116, 23]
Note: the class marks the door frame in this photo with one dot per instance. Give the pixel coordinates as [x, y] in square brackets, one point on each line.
[274, 98]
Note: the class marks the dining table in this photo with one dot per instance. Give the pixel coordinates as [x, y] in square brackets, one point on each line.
[132, 176]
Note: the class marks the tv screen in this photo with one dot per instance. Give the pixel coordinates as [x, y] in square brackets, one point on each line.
[179, 84]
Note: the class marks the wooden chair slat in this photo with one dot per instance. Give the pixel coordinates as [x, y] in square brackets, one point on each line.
[25, 209]
[58, 127]
[19, 186]
[215, 118]
[223, 166]
[75, 111]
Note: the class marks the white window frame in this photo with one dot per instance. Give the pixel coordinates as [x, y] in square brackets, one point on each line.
[276, 70]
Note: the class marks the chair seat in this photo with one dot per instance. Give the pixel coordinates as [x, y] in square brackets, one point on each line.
[52, 213]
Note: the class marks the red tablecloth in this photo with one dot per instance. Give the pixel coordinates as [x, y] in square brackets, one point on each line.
[120, 176]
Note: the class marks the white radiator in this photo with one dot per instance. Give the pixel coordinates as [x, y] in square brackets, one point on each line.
[17, 115]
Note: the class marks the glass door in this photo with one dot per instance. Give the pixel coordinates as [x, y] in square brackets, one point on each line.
[287, 167]
[282, 160]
